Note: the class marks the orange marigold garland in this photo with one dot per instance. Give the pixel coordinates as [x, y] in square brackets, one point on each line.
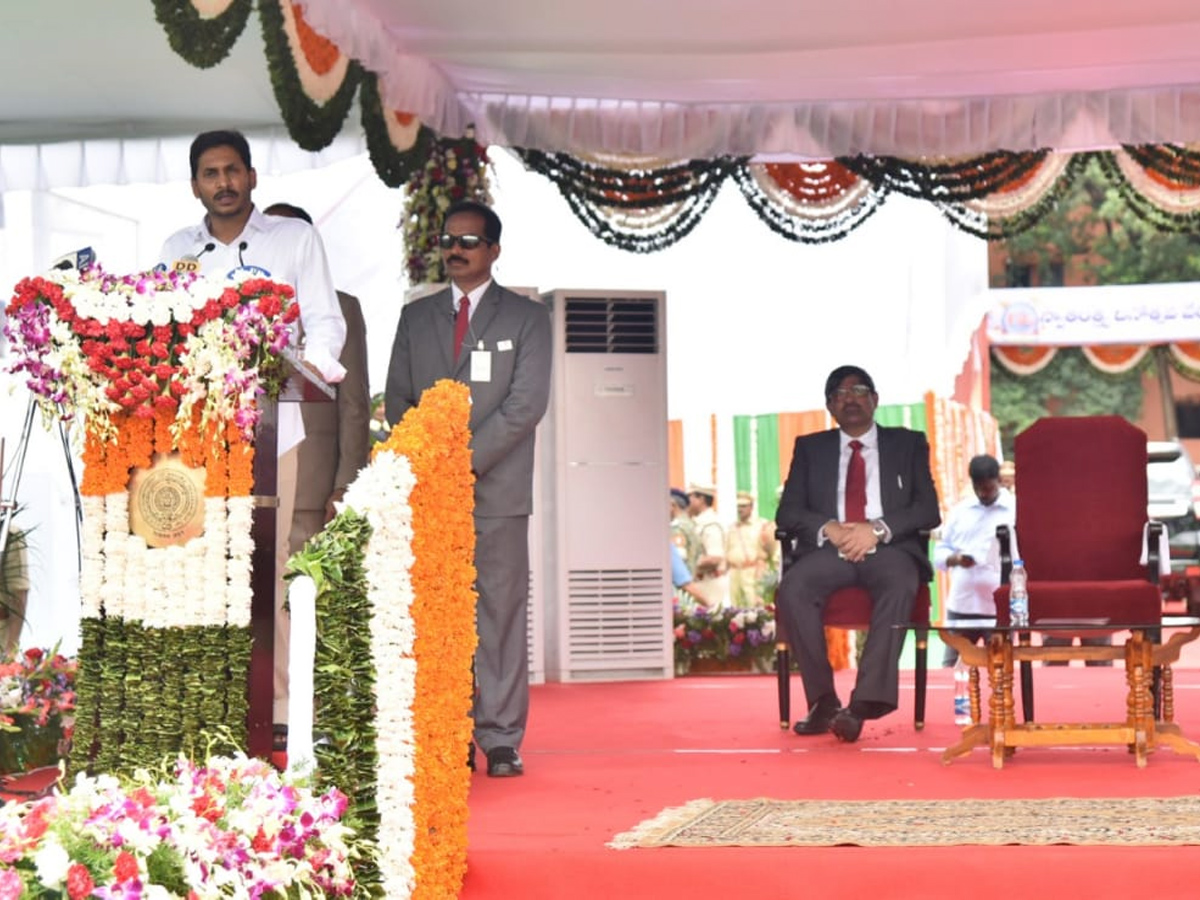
[434, 437]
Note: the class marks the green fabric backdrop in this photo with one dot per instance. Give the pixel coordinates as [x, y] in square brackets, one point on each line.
[756, 452]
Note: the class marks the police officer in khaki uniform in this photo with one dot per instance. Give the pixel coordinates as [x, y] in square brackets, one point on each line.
[750, 552]
[710, 572]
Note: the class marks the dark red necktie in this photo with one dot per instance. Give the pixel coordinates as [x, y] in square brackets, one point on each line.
[856, 485]
[461, 321]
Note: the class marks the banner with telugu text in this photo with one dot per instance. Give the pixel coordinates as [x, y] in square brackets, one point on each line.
[1104, 314]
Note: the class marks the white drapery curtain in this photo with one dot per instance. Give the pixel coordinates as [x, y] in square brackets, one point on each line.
[1071, 88]
[41, 167]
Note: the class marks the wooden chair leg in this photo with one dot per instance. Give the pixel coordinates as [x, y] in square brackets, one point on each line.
[783, 676]
[1023, 639]
[922, 678]
[1027, 690]
[1155, 636]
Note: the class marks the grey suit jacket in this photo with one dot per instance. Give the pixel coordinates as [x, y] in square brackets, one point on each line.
[910, 502]
[506, 409]
[337, 435]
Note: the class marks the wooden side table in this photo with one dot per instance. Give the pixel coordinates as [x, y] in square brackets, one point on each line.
[1142, 652]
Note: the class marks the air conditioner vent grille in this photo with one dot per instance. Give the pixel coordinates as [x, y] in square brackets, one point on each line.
[611, 325]
[616, 615]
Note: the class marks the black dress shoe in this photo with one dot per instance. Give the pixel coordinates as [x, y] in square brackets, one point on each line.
[471, 757]
[819, 717]
[504, 762]
[846, 726]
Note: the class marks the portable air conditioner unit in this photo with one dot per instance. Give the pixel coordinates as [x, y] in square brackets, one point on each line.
[535, 626]
[604, 479]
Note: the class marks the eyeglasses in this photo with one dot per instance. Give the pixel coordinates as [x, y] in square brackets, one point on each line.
[466, 241]
[855, 390]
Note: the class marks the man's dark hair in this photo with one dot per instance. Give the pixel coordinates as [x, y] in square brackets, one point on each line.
[838, 375]
[209, 139]
[983, 468]
[288, 209]
[491, 221]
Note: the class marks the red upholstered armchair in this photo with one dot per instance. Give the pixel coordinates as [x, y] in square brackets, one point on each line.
[851, 608]
[1081, 523]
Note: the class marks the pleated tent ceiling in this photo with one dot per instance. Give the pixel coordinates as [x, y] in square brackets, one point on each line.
[638, 112]
[669, 80]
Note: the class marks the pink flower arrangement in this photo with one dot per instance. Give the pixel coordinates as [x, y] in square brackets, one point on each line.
[233, 827]
[36, 685]
[93, 343]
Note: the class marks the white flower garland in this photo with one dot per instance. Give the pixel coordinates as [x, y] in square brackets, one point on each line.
[381, 494]
[91, 573]
[204, 582]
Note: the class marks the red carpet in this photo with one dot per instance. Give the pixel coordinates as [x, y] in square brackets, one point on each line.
[602, 757]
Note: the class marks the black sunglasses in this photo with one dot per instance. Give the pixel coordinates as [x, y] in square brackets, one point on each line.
[466, 241]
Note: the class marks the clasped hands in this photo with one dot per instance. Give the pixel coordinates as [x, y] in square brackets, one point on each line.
[854, 541]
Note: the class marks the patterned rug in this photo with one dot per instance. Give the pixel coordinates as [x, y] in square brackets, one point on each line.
[919, 823]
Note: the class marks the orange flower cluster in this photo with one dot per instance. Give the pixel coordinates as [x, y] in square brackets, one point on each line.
[218, 448]
[319, 52]
[434, 436]
[813, 182]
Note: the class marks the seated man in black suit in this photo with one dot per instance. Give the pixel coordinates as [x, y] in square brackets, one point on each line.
[856, 499]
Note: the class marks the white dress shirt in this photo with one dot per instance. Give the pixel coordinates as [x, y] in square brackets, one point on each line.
[475, 295]
[474, 298]
[290, 251]
[971, 529]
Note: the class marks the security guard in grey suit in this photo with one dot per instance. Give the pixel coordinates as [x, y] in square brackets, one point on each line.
[499, 344]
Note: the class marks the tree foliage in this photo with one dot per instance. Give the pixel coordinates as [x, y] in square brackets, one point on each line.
[1101, 241]
[1069, 385]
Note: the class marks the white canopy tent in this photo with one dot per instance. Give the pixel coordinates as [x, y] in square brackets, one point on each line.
[927, 77]
[704, 78]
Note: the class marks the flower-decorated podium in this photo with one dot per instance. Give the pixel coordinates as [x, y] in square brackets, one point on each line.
[167, 373]
[171, 378]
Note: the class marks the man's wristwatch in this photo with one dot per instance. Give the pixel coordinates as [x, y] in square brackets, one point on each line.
[878, 529]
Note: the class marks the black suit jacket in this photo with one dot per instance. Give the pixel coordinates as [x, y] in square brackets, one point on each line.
[910, 502]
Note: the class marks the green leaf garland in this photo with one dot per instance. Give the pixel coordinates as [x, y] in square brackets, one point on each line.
[344, 677]
[393, 165]
[313, 126]
[202, 42]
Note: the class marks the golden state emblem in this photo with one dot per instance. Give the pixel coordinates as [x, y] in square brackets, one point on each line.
[166, 502]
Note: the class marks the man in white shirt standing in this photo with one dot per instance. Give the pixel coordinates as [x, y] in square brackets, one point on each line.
[967, 551]
[234, 239]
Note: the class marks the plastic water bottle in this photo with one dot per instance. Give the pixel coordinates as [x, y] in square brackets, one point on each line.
[1018, 595]
[962, 693]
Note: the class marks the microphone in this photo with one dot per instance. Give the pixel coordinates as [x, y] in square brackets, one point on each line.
[77, 259]
[191, 262]
[241, 247]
